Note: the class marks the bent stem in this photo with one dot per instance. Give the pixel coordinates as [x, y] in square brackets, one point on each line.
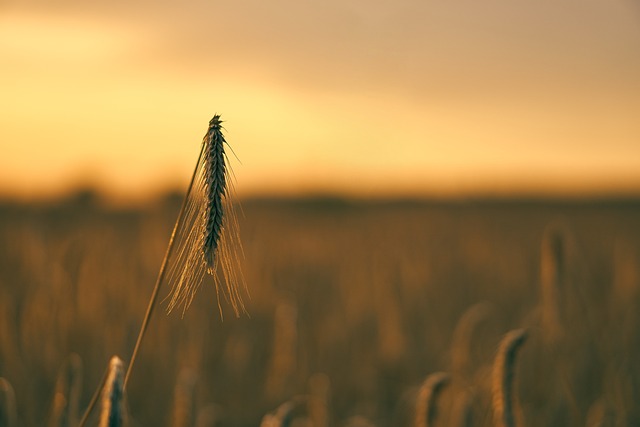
[163, 268]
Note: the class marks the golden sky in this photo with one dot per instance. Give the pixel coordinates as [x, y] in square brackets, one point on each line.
[366, 97]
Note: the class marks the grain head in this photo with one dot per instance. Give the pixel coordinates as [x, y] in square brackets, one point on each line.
[504, 399]
[207, 240]
[427, 399]
[112, 413]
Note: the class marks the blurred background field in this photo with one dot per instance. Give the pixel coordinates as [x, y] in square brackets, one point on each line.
[353, 302]
[411, 112]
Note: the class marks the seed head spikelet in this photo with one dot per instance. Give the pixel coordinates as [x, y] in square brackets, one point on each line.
[214, 181]
[204, 237]
[428, 393]
[207, 235]
[112, 414]
[504, 367]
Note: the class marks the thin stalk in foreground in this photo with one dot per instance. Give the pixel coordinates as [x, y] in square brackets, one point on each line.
[150, 307]
[94, 399]
[163, 269]
[205, 236]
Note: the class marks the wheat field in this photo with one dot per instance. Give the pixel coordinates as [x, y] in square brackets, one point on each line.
[380, 313]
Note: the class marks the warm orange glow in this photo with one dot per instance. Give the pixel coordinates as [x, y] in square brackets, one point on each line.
[439, 99]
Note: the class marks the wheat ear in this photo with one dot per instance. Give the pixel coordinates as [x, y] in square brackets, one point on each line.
[503, 378]
[426, 409]
[112, 414]
[461, 349]
[207, 234]
[203, 237]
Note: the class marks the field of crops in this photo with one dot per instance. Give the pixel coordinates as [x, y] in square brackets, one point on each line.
[352, 306]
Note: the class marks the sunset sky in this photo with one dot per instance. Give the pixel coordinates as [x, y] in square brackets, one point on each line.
[350, 96]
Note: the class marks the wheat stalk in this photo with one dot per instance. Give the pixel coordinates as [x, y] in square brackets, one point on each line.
[207, 235]
[112, 414]
[204, 236]
[503, 378]
[553, 266]
[285, 344]
[94, 398]
[426, 410]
